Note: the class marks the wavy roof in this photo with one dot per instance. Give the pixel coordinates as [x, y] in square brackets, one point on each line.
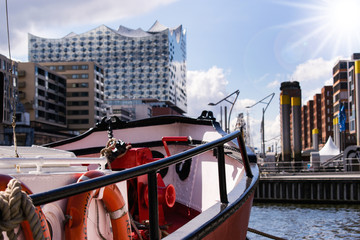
[157, 27]
[128, 32]
[131, 32]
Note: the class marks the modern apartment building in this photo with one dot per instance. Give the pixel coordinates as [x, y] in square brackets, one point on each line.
[84, 92]
[304, 123]
[326, 114]
[354, 97]
[317, 118]
[137, 64]
[43, 94]
[8, 78]
[343, 91]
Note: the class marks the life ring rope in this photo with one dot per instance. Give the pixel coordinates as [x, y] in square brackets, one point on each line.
[16, 206]
[119, 213]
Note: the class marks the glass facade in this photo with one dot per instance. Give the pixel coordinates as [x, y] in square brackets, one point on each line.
[137, 64]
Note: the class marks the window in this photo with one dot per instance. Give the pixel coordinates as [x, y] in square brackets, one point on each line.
[78, 103]
[41, 82]
[62, 100]
[78, 112]
[52, 96]
[41, 103]
[41, 114]
[78, 85]
[77, 94]
[78, 121]
[41, 92]
[40, 71]
[53, 87]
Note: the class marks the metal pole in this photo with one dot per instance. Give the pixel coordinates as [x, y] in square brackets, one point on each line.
[226, 120]
[226, 126]
[263, 133]
[244, 157]
[221, 172]
[232, 106]
[262, 121]
[153, 206]
[221, 117]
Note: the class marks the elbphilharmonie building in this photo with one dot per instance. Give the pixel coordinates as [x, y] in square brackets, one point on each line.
[138, 64]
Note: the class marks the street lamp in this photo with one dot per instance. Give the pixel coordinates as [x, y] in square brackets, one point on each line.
[262, 120]
[227, 124]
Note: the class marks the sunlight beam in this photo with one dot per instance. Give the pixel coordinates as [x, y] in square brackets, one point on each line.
[331, 25]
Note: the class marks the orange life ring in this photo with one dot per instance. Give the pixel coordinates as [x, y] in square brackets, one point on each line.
[25, 226]
[77, 209]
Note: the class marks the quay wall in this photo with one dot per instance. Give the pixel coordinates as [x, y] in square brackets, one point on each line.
[343, 188]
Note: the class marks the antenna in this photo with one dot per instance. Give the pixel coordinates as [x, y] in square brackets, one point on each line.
[248, 137]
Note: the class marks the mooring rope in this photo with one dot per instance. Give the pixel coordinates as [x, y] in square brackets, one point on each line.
[15, 207]
[107, 150]
[265, 234]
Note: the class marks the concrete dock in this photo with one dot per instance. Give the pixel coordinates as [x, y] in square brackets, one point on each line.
[309, 188]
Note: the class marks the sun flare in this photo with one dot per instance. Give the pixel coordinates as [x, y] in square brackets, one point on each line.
[333, 25]
[343, 15]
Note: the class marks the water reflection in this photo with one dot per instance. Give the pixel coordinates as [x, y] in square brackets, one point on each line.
[306, 221]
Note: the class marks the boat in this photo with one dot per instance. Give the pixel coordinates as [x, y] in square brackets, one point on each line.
[166, 177]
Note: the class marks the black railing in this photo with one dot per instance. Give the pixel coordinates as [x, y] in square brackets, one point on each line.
[151, 169]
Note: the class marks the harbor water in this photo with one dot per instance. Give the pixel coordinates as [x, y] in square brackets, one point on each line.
[305, 221]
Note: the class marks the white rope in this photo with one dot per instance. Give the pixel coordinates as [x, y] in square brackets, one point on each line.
[106, 152]
[15, 207]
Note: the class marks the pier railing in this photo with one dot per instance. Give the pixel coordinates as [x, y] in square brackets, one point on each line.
[334, 181]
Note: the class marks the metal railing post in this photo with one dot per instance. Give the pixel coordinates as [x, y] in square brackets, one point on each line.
[244, 156]
[222, 176]
[153, 206]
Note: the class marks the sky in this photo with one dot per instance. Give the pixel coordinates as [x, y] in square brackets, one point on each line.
[250, 46]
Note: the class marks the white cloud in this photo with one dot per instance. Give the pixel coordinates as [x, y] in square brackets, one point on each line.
[329, 82]
[274, 84]
[210, 86]
[204, 87]
[272, 131]
[313, 75]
